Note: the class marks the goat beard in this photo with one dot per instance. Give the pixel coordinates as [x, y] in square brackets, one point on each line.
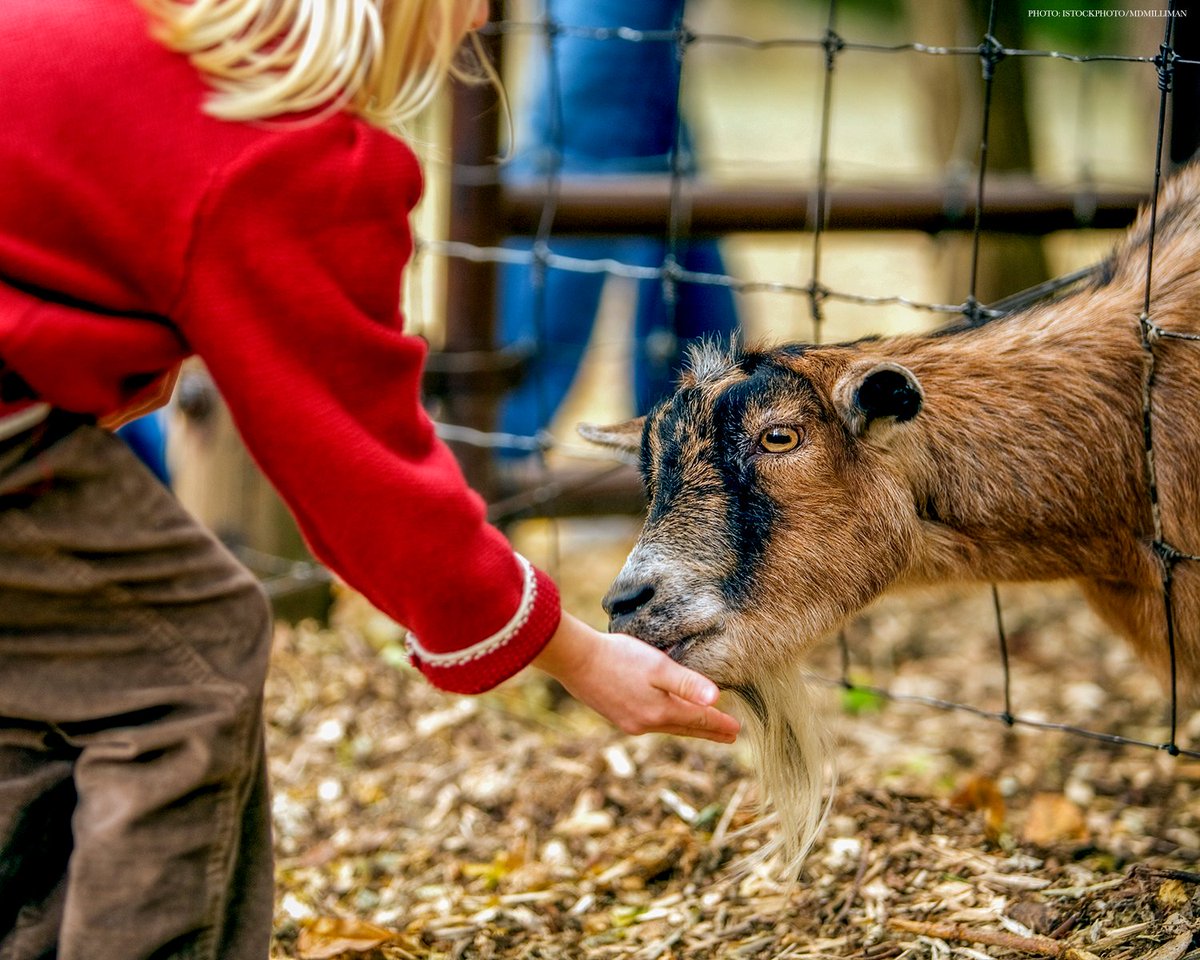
[792, 761]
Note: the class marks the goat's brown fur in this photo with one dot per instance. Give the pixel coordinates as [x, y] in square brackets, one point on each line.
[1025, 461]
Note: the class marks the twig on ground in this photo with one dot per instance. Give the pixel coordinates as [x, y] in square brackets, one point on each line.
[856, 887]
[1043, 946]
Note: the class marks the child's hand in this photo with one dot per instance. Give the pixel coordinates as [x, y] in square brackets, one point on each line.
[638, 688]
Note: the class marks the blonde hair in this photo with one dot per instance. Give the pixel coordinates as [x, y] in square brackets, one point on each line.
[384, 60]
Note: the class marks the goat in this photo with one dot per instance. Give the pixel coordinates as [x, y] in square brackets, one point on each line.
[789, 487]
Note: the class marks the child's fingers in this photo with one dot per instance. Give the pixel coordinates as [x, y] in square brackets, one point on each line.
[685, 684]
[704, 719]
[668, 697]
[699, 734]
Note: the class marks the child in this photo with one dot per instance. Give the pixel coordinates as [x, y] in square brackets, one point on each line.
[216, 177]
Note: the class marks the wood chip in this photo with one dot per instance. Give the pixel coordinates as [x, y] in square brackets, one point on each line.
[450, 838]
[1173, 949]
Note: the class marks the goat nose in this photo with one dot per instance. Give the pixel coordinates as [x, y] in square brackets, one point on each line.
[624, 600]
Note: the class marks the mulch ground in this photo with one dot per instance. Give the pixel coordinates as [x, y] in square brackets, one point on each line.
[520, 825]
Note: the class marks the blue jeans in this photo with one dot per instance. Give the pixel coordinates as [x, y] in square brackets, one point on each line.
[147, 437]
[618, 115]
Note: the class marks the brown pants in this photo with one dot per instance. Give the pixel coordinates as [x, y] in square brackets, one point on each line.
[133, 652]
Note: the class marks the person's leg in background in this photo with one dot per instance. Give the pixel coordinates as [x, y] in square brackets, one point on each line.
[601, 106]
[133, 652]
[555, 322]
[664, 331]
[147, 437]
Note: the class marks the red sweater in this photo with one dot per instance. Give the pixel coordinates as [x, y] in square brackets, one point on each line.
[136, 230]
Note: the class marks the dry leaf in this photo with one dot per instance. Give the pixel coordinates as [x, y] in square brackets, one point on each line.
[981, 793]
[329, 937]
[1171, 894]
[1053, 819]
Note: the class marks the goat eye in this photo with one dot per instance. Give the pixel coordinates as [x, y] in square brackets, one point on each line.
[779, 439]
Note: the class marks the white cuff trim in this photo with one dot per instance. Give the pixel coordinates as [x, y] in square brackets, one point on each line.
[490, 644]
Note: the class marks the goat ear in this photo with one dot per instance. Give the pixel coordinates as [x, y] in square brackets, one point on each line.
[624, 439]
[875, 392]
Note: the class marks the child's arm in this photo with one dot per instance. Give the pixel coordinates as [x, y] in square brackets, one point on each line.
[291, 297]
[291, 300]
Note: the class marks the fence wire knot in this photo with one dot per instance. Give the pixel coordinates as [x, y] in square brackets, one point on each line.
[685, 37]
[1152, 333]
[672, 274]
[974, 312]
[1164, 63]
[1169, 555]
[991, 52]
[539, 263]
[833, 45]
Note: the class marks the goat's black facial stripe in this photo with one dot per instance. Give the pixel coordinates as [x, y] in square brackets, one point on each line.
[695, 428]
[749, 512]
[675, 427]
[646, 460]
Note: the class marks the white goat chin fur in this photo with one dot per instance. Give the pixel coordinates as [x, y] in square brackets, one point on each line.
[793, 765]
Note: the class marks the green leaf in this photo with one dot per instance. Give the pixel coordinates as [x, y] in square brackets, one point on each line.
[859, 700]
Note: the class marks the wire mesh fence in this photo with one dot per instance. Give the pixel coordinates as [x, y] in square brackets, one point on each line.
[540, 256]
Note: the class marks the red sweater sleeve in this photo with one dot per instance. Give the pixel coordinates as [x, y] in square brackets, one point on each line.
[291, 297]
[66, 354]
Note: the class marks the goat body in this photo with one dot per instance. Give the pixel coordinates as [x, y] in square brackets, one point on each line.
[789, 487]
